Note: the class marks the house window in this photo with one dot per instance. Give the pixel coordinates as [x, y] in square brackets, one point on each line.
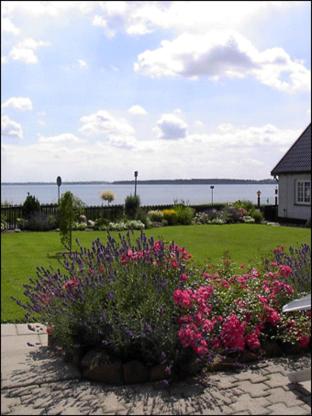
[303, 192]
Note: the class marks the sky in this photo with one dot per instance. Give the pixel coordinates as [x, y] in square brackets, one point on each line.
[97, 90]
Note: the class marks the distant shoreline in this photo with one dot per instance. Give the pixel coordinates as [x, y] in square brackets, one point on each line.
[160, 182]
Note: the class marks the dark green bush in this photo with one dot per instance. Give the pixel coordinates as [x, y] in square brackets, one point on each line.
[132, 205]
[40, 221]
[30, 206]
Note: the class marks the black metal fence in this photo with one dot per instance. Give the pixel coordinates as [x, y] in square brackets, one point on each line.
[13, 212]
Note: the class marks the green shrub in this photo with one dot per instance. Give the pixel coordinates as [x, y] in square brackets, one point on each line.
[170, 216]
[155, 215]
[30, 206]
[247, 205]
[39, 221]
[184, 214]
[257, 215]
[132, 205]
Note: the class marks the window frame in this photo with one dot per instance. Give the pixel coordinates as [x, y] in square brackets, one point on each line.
[302, 184]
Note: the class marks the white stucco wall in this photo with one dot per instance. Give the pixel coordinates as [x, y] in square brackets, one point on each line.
[287, 207]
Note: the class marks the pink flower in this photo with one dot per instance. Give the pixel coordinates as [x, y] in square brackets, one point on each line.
[262, 299]
[183, 297]
[285, 270]
[73, 282]
[232, 333]
[252, 340]
[183, 277]
[273, 317]
[304, 341]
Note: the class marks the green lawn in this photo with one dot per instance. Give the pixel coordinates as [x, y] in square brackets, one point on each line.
[22, 252]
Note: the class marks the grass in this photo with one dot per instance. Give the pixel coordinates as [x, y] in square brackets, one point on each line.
[22, 252]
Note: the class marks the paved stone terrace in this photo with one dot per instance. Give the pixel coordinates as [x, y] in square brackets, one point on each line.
[33, 381]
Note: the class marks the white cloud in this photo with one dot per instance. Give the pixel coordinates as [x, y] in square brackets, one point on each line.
[53, 9]
[229, 151]
[223, 54]
[137, 110]
[171, 127]
[10, 128]
[4, 60]
[140, 18]
[82, 64]
[25, 50]
[8, 26]
[102, 125]
[18, 103]
[64, 138]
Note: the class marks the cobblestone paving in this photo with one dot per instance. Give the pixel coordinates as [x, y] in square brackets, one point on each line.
[35, 382]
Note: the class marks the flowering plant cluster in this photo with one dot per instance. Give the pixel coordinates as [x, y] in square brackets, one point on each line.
[117, 296]
[230, 312]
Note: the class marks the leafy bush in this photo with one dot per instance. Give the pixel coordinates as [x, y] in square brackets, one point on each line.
[40, 221]
[184, 214]
[101, 223]
[117, 296]
[256, 215]
[228, 312]
[155, 215]
[30, 206]
[132, 205]
[232, 214]
[247, 205]
[170, 216]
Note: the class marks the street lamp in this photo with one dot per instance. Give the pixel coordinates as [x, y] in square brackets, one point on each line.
[135, 182]
[212, 188]
[258, 195]
[59, 183]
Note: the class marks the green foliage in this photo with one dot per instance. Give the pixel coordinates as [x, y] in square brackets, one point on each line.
[257, 215]
[132, 205]
[70, 208]
[184, 214]
[30, 206]
[40, 221]
[247, 205]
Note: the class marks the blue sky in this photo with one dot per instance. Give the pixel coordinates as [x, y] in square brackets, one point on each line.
[96, 90]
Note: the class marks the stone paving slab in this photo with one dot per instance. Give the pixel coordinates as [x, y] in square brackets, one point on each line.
[35, 381]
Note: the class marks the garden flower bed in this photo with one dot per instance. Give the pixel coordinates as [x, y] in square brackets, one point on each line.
[134, 311]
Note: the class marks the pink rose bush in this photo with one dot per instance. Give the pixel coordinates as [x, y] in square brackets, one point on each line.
[225, 312]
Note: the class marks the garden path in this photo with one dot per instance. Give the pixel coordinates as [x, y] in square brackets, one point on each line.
[33, 381]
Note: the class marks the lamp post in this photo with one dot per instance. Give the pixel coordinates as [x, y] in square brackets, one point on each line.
[276, 196]
[135, 182]
[59, 183]
[212, 188]
[258, 195]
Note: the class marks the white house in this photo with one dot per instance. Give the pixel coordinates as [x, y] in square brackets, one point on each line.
[294, 180]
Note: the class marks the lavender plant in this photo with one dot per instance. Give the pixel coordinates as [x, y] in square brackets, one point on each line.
[299, 259]
[117, 296]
